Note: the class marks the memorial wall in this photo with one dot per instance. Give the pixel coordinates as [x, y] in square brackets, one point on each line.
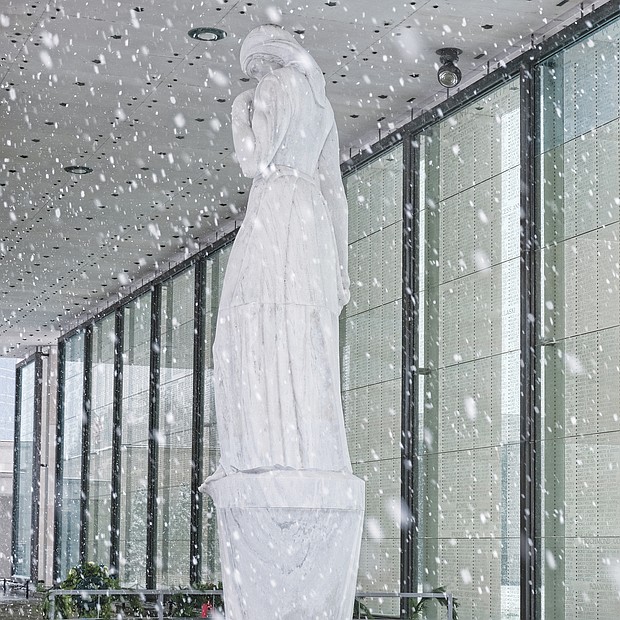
[68, 485]
[578, 163]
[134, 441]
[371, 350]
[468, 409]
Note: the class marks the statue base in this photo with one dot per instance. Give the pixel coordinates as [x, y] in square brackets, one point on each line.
[289, 543]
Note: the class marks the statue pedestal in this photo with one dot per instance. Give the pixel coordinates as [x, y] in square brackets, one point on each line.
[289, 543]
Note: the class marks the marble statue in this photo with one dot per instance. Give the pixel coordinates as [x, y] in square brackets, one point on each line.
[289, 509]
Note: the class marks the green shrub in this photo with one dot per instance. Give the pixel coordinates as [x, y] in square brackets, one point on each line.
[417, 609]
[186, 605]
[89, 576]
[361, 611]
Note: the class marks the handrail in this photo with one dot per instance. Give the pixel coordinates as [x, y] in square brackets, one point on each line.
[18, 581]
[160, 594]
[448, 596]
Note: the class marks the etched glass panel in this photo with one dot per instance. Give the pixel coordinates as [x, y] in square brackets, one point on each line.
[370, 337]
[174, 436]
[134, 442]
[469, 356]
[100, 445]
[68, 545]
[215, 266]
[580, 328]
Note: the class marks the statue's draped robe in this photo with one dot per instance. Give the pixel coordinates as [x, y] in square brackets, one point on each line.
[276, 365]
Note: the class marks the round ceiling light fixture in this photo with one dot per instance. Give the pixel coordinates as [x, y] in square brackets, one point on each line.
[78, 169]
[449, 75]
[207, 34]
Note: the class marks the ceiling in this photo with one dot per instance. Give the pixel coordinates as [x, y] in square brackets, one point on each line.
[120, 87]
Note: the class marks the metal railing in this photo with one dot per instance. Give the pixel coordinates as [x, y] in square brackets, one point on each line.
[158, 597]
[17, 583]
[446, 596]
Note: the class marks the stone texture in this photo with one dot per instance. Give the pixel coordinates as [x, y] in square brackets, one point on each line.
[289, 509]
[290, 543]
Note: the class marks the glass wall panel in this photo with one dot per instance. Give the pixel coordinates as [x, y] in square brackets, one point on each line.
[469, 349]
[134, 441]
[174, 439]
[371, 335]
[215, 266]
[100, 446]
[24, 491]
[72, 408]
[580, 329]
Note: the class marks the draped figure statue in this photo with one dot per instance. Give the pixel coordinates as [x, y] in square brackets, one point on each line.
[289, 510]
[276, 364]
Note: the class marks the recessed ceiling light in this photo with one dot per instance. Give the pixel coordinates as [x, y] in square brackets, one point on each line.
[207, 34]
[78, 169]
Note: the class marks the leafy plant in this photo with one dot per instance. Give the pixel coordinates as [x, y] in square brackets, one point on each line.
[361, 611]
[216, 600]
[181, 605]
[132, 606]
[186, 605]
[417, 609]
[88, 576]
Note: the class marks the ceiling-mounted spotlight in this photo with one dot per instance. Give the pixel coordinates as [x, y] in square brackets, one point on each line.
[207, 34]
[449, 75]
[78, 169]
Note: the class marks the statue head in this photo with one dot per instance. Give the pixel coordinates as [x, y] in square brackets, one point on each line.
[269, 47]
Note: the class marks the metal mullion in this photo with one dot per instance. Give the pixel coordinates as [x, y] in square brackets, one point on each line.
[211, 311]
[151, 504]
[36, 467]
[529, 509]
[446, 108]
[117, 399]
[209, 250]
[85, 470]
[165, 451]
[409, 490]
[59, 462]
[195, 569]
[129, 322]
[582, 28]
[16, 465]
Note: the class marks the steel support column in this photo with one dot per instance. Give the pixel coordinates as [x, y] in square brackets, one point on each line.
[117, 399]
[60, 397]
[16, 466]
[36, 467]
[409, 463]
[151, 516]
[86, 406]
[529, 363]
[200, 313]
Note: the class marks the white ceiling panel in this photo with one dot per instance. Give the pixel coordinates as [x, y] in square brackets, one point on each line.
[120, 87]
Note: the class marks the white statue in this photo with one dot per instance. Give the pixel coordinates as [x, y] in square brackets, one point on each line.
[276, 348]
[276, 353]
